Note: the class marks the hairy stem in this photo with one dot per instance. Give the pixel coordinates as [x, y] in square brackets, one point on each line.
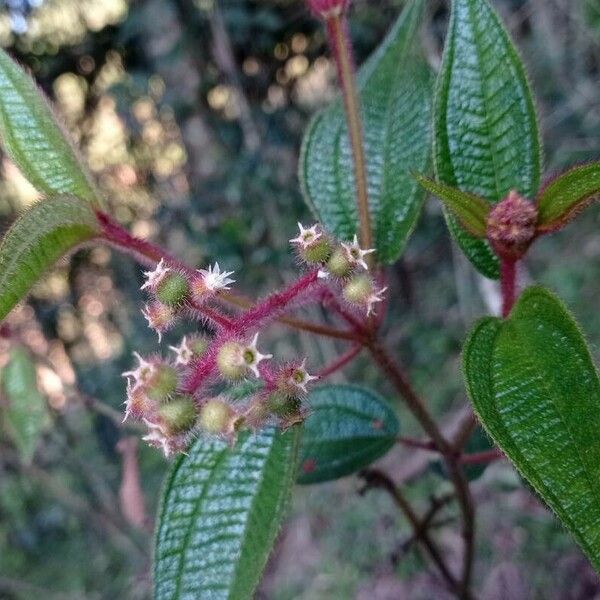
[340, 362]
[339, 40]
[508, 284]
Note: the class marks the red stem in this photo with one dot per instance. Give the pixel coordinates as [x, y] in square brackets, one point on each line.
[340, 362]
[487, 456]
[508, 284]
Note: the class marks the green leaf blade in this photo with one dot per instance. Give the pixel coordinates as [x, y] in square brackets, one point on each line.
[43, 234]
[563, 197]
[220, 515]
[34, 140]
[26, 415]
[349, 427]
[471, 210]
[395, 91]
[486, 138]
[534, 385]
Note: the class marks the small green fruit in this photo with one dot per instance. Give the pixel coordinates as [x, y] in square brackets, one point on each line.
[358, 290]
[339, 265]
[173, 289]
[162, 384]
[317, 252]
[215, 416]
[282, 405]
[230, 361]
[179, 415]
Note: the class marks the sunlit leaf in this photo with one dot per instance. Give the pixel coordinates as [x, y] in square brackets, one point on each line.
[31, 135]
[41, 235]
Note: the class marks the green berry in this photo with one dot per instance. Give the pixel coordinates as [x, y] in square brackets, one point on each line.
[282, 405]
[162, 384]
[198, 346]
[230, 361]
[179, 415]
[358, 290]
[339, 265]
[317, 252]
[173, 289]
[215, 416]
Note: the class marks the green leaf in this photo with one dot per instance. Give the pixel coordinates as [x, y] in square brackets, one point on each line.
[395, 91]
[536, 390]
[44, 233]
[26, 415]
[486, 137]
[469, 209]
[562, 198]
[221, 511]
[33, 138]
[349, 427]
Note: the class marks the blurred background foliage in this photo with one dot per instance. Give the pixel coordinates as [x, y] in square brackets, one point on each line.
[190, 114]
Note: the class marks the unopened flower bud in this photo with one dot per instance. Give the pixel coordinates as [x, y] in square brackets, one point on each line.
[179, 415]
[173, 289]
[162, 384]
[327, 8]
[511, 226]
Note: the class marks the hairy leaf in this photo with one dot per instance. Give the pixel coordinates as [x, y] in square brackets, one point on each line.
[395, 92]
[41, 235]
[221, 511]
[563, 197]
[32, 137]
[536, 390]
[26, 415]
[349, 427]
[485, 131]
[471, 210]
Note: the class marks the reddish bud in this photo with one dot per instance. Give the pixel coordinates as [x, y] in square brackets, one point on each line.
[160, 317]
[511, 226]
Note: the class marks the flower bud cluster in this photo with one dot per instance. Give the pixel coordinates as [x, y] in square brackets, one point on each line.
[173, 291]
[344, 264]
[328, 8]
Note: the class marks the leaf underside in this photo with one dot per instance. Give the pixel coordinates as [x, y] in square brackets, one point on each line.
[39, 237]
[221, 511]
[536, 390]
[349, 427]
[486, 137]
[395, 91]
[35, 141]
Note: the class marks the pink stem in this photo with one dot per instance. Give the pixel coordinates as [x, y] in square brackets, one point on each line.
[484, 457]
[508, 284]
[340, 362]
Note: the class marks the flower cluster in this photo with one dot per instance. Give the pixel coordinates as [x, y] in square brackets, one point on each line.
[174, 292]
[343, 264]
[193, 391]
